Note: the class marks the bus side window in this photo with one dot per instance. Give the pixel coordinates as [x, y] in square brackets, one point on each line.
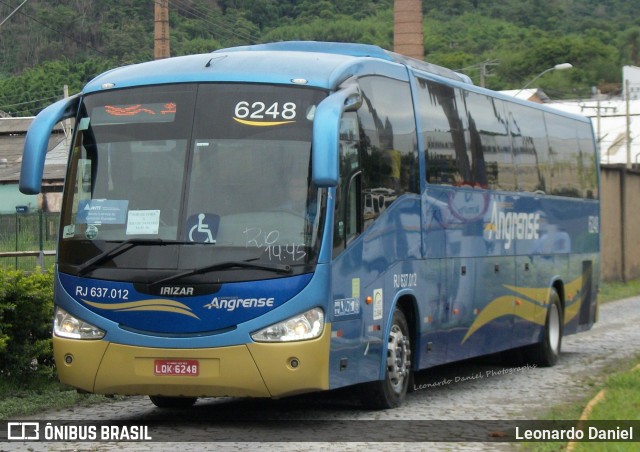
[530, 148]
[444, 126]
[566, 170]
[347, 218]
[389, 152]
[353, 209]
[490, 144]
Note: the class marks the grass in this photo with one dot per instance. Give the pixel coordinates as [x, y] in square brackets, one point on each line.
[618, 290]
[622, 398]
[24, 397]
[621, 402]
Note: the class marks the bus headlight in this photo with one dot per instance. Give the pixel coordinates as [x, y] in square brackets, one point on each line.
[66, 325]
[308, 325]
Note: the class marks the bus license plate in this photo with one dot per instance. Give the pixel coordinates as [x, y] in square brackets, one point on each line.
[181, 367]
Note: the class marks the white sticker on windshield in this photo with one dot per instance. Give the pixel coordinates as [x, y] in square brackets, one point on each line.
[143, 222]
[84, 124]
[101, 211]
[69, 231]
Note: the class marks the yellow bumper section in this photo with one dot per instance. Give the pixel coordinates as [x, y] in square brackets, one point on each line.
[251, 370]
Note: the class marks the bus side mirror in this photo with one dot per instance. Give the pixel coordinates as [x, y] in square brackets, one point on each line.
[35, 145]
[326, 135]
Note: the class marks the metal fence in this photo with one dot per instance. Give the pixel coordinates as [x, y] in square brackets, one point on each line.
[620, 223]
[28, 240]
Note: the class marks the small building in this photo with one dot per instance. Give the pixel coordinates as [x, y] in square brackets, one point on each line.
[12, 135]
[533, 95]
[615, 126]
[615, 121]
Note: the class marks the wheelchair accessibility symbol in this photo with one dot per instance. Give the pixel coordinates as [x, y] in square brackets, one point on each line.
[203, 228]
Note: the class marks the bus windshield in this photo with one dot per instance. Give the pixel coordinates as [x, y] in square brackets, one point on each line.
[220, 172]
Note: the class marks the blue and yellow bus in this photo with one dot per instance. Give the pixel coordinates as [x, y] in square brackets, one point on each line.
[276, 219]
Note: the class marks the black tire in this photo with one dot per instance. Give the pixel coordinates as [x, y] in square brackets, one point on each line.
[546, 352]
[391, 392]
[173, 402]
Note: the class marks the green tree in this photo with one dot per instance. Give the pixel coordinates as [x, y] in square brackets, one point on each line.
[34, 89]
[26, 310]
[523, 36]
[630, 46]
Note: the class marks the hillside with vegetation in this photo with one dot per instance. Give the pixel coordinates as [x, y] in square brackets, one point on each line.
[51, 43]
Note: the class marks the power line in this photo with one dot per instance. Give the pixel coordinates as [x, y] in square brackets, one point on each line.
[218, 24]
[203, 14]
[17, 97]
[483, 68]
[4, 107]
[202, 9]
[220, 28]
[55, 29]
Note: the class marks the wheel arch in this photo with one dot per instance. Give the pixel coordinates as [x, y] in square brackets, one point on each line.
[408, 304]
[558, 285]
[379, 394]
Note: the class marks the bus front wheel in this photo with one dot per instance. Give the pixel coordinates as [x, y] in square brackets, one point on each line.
[390, 392]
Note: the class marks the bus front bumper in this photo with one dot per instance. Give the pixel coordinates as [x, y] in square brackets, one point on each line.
[249, 370]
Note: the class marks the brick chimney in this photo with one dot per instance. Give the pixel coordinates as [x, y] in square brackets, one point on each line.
[407, 28]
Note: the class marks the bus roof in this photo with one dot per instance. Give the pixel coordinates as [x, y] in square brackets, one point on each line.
[321, 64]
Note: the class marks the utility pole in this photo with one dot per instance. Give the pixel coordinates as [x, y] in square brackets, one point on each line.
[407, 28]
[628, 117]
[66, 124]
[484, 73]
[598, 130]
[161, 30]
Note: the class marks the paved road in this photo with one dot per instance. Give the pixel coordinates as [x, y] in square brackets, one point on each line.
[474, 390]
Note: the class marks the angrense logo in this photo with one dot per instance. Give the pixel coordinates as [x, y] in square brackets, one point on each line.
[231, 304]
[513, 225]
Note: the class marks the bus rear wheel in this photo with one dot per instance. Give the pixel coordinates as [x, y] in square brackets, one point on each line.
[546, 352]
[173, 402]
[391, 391]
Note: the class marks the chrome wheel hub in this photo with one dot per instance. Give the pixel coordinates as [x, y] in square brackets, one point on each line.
[398, 358]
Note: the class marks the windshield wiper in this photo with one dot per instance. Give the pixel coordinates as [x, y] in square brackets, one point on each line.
[116, 251]
[278, 268]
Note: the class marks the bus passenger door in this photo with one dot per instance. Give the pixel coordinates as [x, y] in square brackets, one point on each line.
[350, 360]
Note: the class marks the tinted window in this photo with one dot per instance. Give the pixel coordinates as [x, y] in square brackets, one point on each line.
[223, 166]
[476, 140]
[489, 143]
[530, 147]
[388, 143]
[443, 125]
[587, 167]
[347, 222]
[564, 156]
